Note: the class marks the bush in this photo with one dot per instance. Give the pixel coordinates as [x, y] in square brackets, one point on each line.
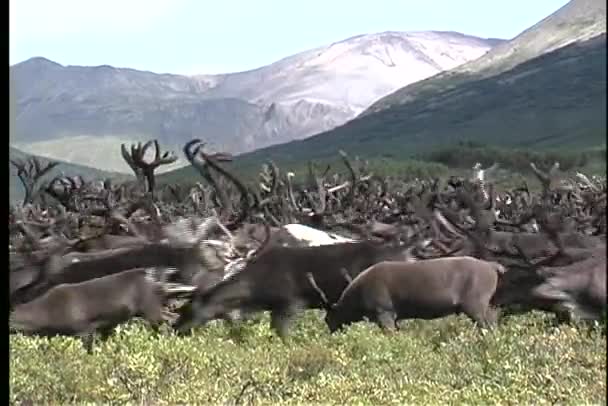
[523, 361]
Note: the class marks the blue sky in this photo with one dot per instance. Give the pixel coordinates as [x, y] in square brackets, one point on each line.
[204, 36]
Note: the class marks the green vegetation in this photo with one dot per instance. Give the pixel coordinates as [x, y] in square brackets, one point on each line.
[525, 360]
[465, 154]
[248, 170]
[457, 159]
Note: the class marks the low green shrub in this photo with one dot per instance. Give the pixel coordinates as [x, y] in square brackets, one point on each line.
[465, 155]
[525, 360]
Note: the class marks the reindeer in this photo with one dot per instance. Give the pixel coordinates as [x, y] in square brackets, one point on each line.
[290, 234]
[276, 281]
[188, 256]
[579, 287]
[390, 291]
[112, 229]
[81, 309]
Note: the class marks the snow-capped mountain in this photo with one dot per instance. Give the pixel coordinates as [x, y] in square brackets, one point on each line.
[545, 89]
[354, 72]
[296, 97]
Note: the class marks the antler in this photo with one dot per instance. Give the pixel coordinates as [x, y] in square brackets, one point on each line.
[64, 190]
[194, 148]
[191, 150]
[547, 179]
[353, 175]
[141, 168]
[30, 172]
[318, 209]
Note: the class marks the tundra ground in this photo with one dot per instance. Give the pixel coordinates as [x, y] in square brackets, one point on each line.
[525, 360]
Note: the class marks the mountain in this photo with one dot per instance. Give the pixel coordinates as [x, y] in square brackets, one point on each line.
[546, 88]
[577, 21]
[357, 71]
[16, 192]
[81, 114]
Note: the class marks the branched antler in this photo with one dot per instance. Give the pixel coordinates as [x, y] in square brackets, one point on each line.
[547, 179]
[64, 189]
[145, 170]
[30, 172]
[194, 148]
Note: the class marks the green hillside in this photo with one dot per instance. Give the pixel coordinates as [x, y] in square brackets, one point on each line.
[576, 22]
[555, 102]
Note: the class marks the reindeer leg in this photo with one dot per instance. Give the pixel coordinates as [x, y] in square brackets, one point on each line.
[106, 332]
[87, 341]
[185, 321]
[281, 318]
[155, 327]
[562, 314]
[480, 313]
[184, 329]
[491, 317]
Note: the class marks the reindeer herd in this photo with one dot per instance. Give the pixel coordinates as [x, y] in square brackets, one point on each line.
[87, 256]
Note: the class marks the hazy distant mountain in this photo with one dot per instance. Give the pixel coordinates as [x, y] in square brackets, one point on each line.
[82, 114]
[544, 88]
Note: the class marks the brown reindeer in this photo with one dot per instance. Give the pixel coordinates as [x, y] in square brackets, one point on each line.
[83, 308]
[276, 281]
[390, 291]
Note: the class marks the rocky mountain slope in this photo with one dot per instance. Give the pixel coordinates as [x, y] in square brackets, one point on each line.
[82, 114]
[354, 72]
[545, 88]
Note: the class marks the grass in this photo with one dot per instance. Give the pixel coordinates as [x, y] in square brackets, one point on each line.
[525, 360]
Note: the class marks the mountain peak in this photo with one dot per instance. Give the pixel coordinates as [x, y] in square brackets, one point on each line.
[577, 21]
[311, 92]
[39, 61]
[358, 70]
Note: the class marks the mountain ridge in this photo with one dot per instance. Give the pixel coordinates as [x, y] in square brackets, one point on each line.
[298, 96]
[453, 115]
[555, 98]
[577, 20]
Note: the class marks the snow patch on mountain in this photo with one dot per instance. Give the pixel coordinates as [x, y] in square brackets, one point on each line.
[354, 72]
[294, 98]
